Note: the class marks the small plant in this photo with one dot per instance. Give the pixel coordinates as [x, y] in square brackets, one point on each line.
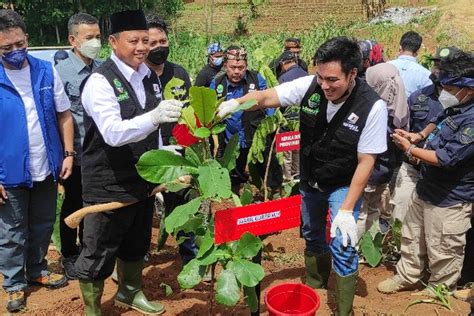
[241, 27]
[441, 297]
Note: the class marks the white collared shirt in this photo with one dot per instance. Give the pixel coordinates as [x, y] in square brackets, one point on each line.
[101, 104]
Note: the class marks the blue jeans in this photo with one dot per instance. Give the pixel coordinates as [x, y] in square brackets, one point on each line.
[26, 225]
[313, 216]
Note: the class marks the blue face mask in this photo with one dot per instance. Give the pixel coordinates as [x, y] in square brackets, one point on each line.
[217, 61]
[16, 58]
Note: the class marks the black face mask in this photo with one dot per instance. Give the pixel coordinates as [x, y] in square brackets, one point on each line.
[159, 55]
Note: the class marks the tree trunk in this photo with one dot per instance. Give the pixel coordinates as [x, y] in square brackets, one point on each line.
[58, 38]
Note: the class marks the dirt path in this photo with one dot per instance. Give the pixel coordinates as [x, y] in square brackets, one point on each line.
[283, 263]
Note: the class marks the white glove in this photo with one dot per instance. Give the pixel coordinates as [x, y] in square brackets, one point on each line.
[168, 111]
[227, 107]
[347, 226]
[175, 149]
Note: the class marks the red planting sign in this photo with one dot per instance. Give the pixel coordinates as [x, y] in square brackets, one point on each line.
[258, 219]
[287, 141]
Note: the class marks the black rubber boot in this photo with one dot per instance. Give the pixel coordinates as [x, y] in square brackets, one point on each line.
[345, 292]
[130, 294]
[318, 269]
[91, 294]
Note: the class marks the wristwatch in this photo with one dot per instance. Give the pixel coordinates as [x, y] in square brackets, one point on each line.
[70, 154]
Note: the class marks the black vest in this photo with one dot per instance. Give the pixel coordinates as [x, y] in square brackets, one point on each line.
[109, 173]
[250, 119]
[329, 150]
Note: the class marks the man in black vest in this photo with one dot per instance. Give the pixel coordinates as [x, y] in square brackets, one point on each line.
[121, 118]
[236, 81]
[343, 128]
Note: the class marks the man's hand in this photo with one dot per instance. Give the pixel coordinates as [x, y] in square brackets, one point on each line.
[401, 141]
[168, 111]
[227, 107]
[346, 224]
[413, 138]
[66, 169]
[3, 195]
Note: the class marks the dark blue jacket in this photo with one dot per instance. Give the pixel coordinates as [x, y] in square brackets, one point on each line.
[453, 141]
[14, 143]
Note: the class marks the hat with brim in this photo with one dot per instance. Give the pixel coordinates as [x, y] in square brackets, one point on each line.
[130, 20]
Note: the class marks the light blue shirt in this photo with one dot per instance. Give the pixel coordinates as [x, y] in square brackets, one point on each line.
[414, 75]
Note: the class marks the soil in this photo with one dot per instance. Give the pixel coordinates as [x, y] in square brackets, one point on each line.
[283, 262]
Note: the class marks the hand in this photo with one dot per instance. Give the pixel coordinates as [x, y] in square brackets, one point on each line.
[227, 107]
[175, 149]
[347, 226]
[3, 195]
[168, 111]
[401, 142]
[66, 169]
[414, 138]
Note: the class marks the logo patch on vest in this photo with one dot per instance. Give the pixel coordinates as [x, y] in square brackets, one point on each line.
[252, 87]
[220, 89]
[123, 94]
[312, 108]
[353, 118]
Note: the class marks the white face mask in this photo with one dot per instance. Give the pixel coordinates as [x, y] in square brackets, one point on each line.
[90, 48]
[448, 100]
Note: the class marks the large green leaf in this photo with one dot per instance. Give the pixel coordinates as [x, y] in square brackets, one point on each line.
[161, 166]
[207, 243]
[196, 153]
[213, 256]
[174, 89]
[248, 273]
[248, 246]
[181, 214]
[191, 275]
[204, 102]
[218, 128]
[188, 118]
[246, 105]
[371, 248]
[231, 153]
[250, 298]
[192, 225]
[202, 132]
[214, 182]
[227, 289]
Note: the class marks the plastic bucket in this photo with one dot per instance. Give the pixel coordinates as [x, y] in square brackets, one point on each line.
[291, 299]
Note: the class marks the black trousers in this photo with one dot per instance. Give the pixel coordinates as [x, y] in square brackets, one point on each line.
[124, 233]
[72, 202]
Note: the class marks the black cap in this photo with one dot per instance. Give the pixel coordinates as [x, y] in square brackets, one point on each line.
[286, 56]
[445, 53]
[292, 42]
[130, 20]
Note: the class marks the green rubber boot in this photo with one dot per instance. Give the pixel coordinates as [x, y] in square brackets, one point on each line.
[91, 294]
[130, 294]
[318, 269]
[345, 291]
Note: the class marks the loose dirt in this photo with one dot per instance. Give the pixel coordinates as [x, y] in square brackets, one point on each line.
[283, 262]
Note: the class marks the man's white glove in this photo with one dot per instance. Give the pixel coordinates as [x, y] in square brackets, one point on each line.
[227, 107]
[168, 111]
[175, 149]
[346, 223]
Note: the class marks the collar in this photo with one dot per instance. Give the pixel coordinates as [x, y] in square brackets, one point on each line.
[241, 82]
[406, 57]
[128, 71]
[78, 63]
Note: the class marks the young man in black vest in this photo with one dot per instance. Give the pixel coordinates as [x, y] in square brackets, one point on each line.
[343, 128]
[121, 118]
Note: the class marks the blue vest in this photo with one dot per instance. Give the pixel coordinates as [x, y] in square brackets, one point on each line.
[14, 143]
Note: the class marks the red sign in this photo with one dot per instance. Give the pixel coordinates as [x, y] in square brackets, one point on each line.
[287, 141]
[258, 219]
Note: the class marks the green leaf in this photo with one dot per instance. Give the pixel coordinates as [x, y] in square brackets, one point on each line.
[248, 246]
[202, 132]
[213, 256]
[236, 200]
[214, 182]
[218, 128]
[227, 290]
[195, 153]
[371, 252]
[161, 166]
[204, 102]
[173, 89]
[168, 289]
[250, 298]
[246, 105]
[231, 153]
[188, 118]
[163, 236]
[174, 186]
[247, 195]
[248, 273]
[397, 232]
[192, 225]
[191, 275]
[207, 243]
[181, 214]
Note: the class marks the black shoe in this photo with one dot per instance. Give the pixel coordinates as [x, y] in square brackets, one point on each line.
[68, 266]
[16, 301]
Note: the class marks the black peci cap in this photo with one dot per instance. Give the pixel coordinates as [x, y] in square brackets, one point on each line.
[130, 20]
